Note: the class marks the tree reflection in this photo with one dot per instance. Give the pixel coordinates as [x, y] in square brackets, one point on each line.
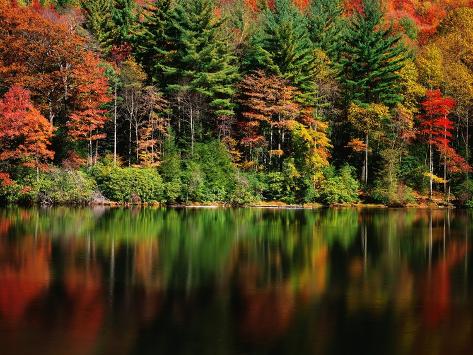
[126, 281]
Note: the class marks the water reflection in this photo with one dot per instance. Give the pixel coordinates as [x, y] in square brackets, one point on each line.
[147, 281]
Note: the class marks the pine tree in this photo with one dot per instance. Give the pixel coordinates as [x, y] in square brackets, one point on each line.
[201, 73]
[371, 57]
[98, 20]
[326, 26]
[124, 16]
[282, 47]
[153, 41]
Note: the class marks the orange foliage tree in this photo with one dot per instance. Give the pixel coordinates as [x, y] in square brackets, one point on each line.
[274, 125]
[42, 52]
[24, 132]
[426, 15]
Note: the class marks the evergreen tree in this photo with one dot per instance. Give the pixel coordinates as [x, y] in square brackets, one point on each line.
[201, 73]
[282, 46]
[124, 16]
[99, 22]
[153, 41]
[326, 26]
[371, 57]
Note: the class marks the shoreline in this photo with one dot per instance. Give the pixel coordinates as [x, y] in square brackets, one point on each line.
[275, 205]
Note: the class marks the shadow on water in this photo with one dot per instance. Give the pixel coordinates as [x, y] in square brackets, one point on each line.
[235, 281]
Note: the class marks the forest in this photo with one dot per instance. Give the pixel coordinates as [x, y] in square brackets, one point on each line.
[236, 101]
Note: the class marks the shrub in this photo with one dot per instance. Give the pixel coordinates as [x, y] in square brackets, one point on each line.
[56, 186]
[469, 204]
[394, 195]
[464, 193]
[65, 187]
[217, 169]
[245, 190]
[11, 193]
[339, 186]
[127, 184]
[193, 187]
[274, 184]
[170, 170]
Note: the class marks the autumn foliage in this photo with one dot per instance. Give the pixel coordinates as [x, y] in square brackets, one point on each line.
[272, 118]
[436, 127]
[24, 133]
[42, 52]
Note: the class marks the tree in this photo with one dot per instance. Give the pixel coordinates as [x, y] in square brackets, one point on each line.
[88, 118]
[446, 63]
[99, 22]
[326, 26]
[282, 47]
[24, 133]
[275, 127]
[142, 106]
[367, 120]
[268, 108]
[44, 55]
[124, 16]
[201, 73]
[153, 43]
[435, 127]
[371, 58]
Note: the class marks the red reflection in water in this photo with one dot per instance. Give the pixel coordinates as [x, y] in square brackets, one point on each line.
[24, 276]
[437, 290]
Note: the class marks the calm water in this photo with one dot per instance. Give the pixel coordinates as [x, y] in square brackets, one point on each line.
[244, 281]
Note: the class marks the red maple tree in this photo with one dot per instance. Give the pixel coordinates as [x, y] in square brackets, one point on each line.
[435, 127]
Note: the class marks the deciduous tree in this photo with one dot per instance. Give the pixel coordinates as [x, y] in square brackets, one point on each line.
[24, 133]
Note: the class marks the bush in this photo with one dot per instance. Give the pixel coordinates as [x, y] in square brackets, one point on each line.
[464, 193]
[283, 186]
[65, 187]
[218, 171]
[395, 195]
[11, 193]
[339, 187]
[193, 187]
[170, 170]
[129, 184]
[57, 186]
[274, 186]
[245, 190]
[469, 204]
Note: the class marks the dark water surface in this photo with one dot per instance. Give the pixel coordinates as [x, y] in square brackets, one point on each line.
[243, 281]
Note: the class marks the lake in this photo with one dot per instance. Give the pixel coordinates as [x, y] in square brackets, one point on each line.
[235, 281]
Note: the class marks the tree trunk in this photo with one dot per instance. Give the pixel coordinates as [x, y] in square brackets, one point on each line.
[365, 178]
[431, 171]
[90, 150]
[137, 143]
[192, 128]
[96, 151]
[467, 145]
[129, 144]
[445, 160]
[115, 126]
